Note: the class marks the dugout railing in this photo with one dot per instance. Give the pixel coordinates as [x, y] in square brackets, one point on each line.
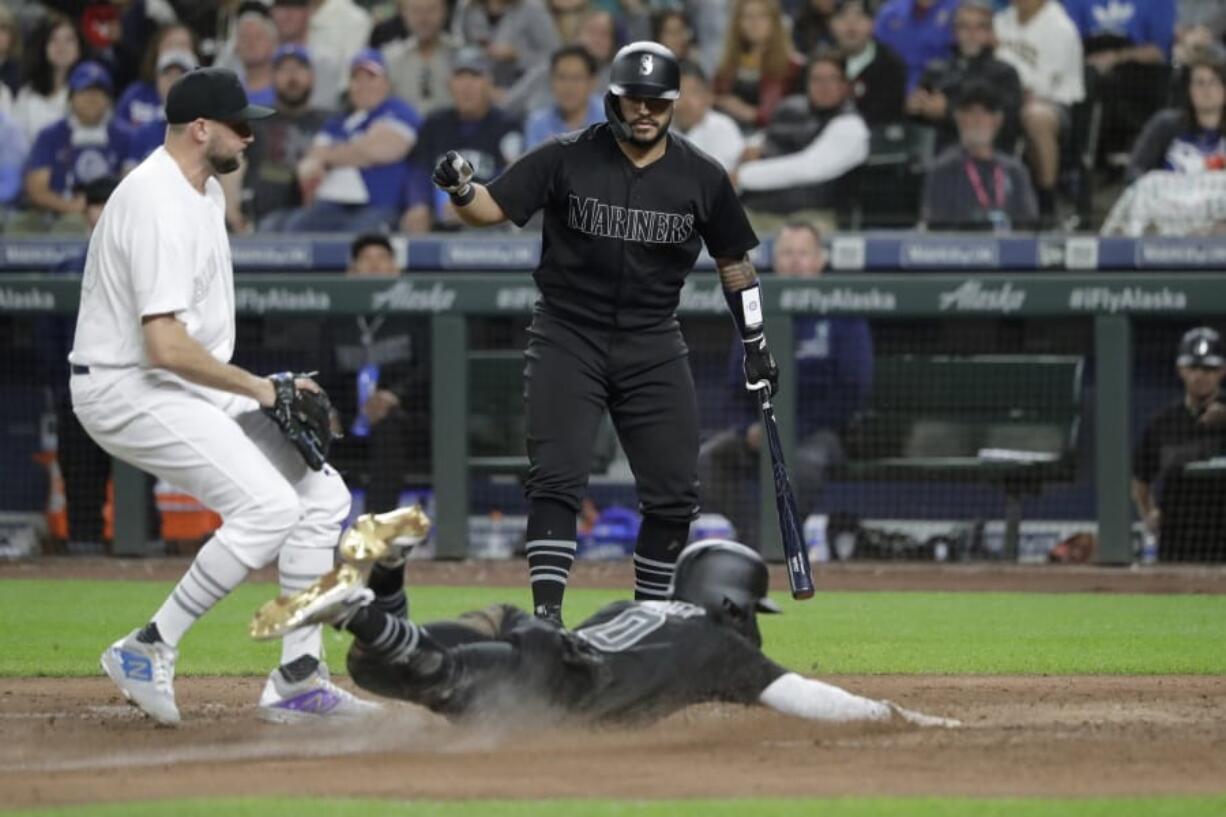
[1111, 303]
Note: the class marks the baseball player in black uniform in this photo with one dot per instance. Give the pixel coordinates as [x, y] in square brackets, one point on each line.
[626, 206]
[1184, 508]
[631, 661]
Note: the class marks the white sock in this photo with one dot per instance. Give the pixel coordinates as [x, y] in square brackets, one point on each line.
[297, 568]
[214, 572]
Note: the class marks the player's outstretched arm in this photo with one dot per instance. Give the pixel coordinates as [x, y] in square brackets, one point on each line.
[473, 203]
[739, 280]
[169, 347]
[792, 694]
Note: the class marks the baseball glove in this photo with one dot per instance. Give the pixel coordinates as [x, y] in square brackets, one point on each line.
[305, 417]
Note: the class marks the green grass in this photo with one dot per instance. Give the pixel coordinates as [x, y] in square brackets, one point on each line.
[58, 628]
[839, 807]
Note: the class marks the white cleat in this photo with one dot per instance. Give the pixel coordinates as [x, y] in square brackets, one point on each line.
[312, 700]
[145, 674]
[331, 599]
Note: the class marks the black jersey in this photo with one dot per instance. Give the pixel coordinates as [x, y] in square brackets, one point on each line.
[1172, 439]
[618, 240]
[1193, 522]
[656, 657]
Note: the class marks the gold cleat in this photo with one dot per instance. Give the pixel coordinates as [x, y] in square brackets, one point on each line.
[384, 536]
[327, 601]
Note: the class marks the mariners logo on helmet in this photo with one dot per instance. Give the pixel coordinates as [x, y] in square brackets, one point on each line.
[1202, 347]
[645, 69]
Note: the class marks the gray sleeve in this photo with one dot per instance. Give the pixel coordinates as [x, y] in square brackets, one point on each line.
[1151, 145]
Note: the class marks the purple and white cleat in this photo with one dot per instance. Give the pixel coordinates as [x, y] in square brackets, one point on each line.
[311, 699]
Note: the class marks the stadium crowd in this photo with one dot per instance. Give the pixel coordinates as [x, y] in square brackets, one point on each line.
[1002, 111]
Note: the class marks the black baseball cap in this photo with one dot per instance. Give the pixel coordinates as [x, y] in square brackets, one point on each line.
[211, 93]
[981, 94]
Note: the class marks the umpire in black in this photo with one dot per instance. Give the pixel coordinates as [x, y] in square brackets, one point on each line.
[626, 205]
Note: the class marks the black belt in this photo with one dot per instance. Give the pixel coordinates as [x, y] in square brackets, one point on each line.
[79, 369]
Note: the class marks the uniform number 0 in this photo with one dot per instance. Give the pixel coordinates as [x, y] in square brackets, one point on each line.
[625, 630]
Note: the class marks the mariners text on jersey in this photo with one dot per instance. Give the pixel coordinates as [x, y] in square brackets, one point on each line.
[612, 221]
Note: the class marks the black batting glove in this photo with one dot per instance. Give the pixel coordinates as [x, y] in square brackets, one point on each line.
[760, 369]
[453, 175]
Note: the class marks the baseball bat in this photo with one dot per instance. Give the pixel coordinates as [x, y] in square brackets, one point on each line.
[800, 574]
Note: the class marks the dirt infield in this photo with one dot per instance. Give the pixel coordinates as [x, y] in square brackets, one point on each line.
[73, 741]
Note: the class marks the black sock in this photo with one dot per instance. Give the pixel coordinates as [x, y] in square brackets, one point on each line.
[367, 623]
[551, 550]
[388, 584]
[386, 581]
[300, 668]
[149, 634]
[655, 556]
[390, 636]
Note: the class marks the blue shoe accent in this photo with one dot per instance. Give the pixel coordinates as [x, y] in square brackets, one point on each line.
[136, 666]
[315, 701]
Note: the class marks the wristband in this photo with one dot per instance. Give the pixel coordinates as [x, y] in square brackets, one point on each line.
[746, 308]
[463, 196]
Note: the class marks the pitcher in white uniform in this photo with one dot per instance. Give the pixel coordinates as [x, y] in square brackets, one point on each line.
[152, 385]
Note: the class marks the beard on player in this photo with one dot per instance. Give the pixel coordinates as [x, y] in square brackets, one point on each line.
[221, 160]
[661, 128]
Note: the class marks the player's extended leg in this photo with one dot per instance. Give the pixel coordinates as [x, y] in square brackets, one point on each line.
[565, 399]
[446, 665]
[191, 443]
[656, 414]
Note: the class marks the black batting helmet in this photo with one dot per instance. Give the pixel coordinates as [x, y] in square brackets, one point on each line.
[1201, 346]
[723, 576]
[642, 69]
[645, 69]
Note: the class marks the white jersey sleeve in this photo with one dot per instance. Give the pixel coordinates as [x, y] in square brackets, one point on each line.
[842, 146]
[156, 253]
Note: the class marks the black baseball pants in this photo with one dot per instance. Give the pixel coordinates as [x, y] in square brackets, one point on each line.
[574, 373]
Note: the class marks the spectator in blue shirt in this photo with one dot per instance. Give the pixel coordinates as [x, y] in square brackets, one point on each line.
[484, 135]
[1128, 46]
[919, 30]
[149, 136]
[572, 83]
[13, 150]
[834, 373]
[86, 145]
[141, 102]
[356, 173]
